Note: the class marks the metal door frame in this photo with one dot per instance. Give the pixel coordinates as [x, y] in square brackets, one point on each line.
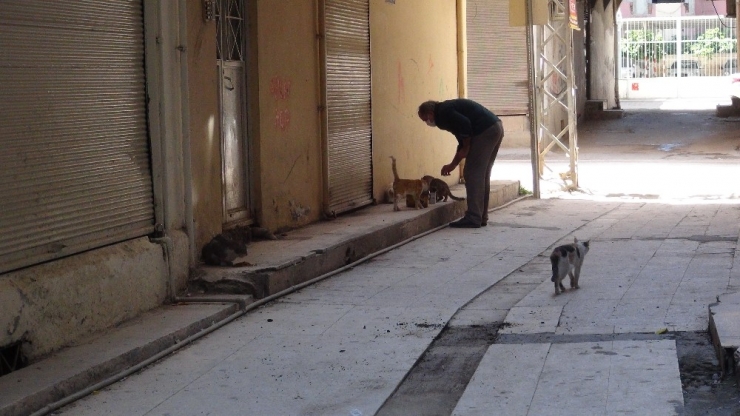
[247, 215]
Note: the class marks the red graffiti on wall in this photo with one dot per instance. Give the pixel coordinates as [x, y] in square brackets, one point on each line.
[282, 119]
[280, 88]
[431, 65]
[401, 87]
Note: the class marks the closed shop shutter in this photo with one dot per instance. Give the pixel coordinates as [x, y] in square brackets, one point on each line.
[74, 153]
[349, 138]
[497, 58]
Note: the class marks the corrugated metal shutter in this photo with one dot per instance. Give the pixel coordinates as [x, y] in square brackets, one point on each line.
[497, 58]
[74, 152]
[348, 104]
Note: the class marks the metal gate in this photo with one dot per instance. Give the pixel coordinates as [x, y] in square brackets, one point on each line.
[74, 151]
[346, 51]
[685, 46]
[496, 58]
[231, 59]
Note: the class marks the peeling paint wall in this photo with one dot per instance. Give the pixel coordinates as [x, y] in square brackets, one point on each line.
[283, 120]
[603, 61]
[53, 304]
[50, 305]
[414, 59]
[289, 135]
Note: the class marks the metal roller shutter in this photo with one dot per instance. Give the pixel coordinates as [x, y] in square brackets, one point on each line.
[349, 138]
[497, 58]
[74, 153]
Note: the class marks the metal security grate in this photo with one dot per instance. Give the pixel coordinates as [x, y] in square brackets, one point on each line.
[75, 168]
[231, 28]
[12, 358]
[677, 46]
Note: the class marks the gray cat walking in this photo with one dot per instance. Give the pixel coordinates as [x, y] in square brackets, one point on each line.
[567, 260]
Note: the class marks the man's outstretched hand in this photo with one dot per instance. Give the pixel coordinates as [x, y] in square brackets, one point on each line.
[447, 169]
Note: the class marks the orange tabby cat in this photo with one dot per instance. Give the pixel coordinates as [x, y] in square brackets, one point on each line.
[403, 187]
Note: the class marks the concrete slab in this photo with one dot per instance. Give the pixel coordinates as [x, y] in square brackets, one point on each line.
[727, 325]
[505, 381]
[724, 328]
[94, 359]
[598, 378]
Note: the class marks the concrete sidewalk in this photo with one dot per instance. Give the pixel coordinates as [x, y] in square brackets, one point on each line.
[275, 266]
[348, 345]
[652, 271]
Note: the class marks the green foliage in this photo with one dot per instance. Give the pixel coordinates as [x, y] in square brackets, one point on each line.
[644, 45]
[712, 41]
[524, 191]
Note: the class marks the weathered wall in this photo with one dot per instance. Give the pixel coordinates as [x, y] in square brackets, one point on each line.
[414, 59]
[55, 303]
[204, 121]
[283, 120]
[50, 305]
[289, 136]
[516, 132]
[603, 62]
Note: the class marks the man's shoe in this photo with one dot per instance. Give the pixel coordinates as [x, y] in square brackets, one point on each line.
[464, 223]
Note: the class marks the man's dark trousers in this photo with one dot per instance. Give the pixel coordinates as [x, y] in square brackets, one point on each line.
[478, 164]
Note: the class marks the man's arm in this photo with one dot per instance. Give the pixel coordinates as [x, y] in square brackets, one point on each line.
[462, 153]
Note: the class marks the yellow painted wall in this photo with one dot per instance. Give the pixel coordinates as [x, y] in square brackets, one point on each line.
[205, 134]
[289, 136]
[518, 12]
[414, 59]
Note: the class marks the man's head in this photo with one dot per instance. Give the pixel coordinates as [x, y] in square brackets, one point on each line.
[426, 112]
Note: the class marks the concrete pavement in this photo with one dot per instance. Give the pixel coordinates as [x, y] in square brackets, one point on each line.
[346, 345]
[297, 259]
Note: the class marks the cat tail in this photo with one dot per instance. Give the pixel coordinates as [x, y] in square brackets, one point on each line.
[395, 172]
[456, 198]
[554, 259]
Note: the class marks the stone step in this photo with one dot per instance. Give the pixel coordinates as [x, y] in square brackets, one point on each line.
[306, 253]
[724, 328]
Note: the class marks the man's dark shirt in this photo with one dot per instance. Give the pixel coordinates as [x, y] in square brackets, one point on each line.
[463, 118]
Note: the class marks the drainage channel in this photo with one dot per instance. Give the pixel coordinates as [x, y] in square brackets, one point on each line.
[438, 379]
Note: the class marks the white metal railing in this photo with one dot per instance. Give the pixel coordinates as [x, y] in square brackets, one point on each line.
[677, 46]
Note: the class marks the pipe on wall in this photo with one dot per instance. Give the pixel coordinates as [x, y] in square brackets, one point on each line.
[185, 122]
[322, 111]
[462, 55]
[615, 58]
[533, 94]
